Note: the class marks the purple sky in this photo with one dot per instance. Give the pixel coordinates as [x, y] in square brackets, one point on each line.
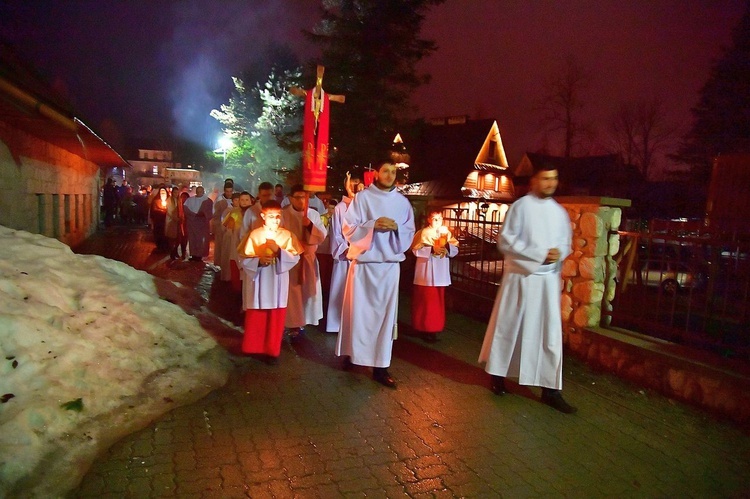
[154, 64]
[494, 56]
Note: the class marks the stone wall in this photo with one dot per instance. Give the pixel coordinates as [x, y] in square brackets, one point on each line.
[588, 289]
[589, 272]
[45, 189]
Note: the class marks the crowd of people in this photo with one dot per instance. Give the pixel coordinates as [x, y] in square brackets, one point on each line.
[124, 204]
[282, 252]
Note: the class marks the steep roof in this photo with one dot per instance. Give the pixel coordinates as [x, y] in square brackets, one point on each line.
[446, 151]
[444, 155]
[603, 175]
[28, 103]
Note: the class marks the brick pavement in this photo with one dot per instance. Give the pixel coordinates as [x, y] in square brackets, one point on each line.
[305, 428]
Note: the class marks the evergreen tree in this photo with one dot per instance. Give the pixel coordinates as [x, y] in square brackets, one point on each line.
[276, 132]
[722, 116]
[370, 49]
[263, 122]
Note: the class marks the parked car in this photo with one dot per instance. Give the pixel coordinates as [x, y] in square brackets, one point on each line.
[668, 275]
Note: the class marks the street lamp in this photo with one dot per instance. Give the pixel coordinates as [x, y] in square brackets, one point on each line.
[225, 143]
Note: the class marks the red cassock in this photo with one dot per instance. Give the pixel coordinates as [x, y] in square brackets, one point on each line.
[315, 142]
[428, 308]
[264, 331]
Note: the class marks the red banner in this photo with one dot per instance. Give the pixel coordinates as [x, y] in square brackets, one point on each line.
[315, 143]
[369, 177]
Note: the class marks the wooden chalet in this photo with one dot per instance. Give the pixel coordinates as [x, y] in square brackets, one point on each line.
[459, 163]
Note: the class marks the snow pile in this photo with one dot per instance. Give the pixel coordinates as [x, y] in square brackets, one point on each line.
[88, 354]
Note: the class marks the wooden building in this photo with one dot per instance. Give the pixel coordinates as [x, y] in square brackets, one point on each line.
[459, 163]
[153, 164]
[603, 175]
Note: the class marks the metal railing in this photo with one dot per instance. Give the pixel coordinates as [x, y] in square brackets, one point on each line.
[478, 268]
[687, 287]
[676, 283]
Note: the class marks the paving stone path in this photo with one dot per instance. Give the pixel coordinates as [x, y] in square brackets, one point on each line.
[305, 428]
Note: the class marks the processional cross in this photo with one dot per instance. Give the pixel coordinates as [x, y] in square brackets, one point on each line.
[315, 132]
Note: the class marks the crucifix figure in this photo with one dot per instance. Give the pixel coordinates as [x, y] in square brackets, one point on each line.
[315, 133]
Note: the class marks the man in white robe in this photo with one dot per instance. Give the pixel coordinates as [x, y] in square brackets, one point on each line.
[221, 204]
[524, 335]
[379, 226]
[198, 212]
[305, 293]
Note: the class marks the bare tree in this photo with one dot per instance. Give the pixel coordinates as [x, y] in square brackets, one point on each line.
[623, 132]
[563, 103]
[640, 130]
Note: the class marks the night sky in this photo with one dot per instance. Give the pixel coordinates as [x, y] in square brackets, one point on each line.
[155, 66]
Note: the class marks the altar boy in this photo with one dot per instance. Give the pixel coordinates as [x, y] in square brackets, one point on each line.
[268, 254]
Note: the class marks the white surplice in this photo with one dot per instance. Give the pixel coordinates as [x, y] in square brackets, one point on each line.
[268, 287]
[305, 293]
[370, 308]
[431, 270]
[524, 335]
[339, 247]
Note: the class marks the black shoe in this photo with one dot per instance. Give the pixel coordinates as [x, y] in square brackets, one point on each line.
[295, 334]
[554, 399]
[498, 385]
[380, 374]
[346, 364]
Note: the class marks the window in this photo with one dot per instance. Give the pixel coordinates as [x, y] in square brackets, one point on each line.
[155, 170]
[41, 207]
[56, 216]
[67, 213]
[76, 213]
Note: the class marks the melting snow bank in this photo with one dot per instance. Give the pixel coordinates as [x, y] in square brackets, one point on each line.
[89, 352]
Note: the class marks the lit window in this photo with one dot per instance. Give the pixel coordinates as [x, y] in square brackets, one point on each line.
[155, 170]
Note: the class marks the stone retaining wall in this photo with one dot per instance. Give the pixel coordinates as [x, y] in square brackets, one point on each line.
[588, 289]
[589, 272]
